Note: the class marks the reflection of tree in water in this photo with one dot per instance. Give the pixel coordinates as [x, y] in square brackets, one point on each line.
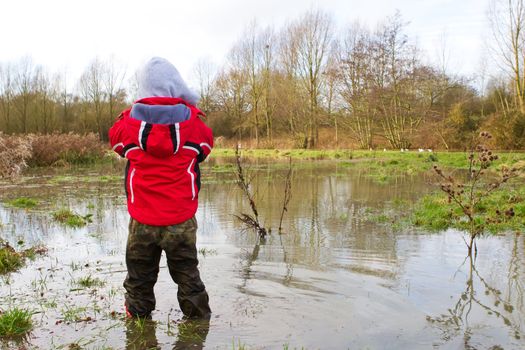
[245, 304]
[495, 305]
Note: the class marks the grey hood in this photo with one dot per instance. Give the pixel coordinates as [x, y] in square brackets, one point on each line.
[160, 78]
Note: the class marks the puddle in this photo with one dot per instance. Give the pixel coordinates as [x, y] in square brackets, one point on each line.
[333, 281]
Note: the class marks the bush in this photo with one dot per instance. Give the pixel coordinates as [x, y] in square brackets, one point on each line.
[14, 154]
[18, 152]
[69, 148]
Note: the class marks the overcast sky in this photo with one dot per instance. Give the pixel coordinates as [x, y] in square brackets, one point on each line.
[68, 34]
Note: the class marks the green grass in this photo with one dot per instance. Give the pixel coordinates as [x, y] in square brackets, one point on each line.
[71, 219]
[73, 314]
[89, 282]
[433, 212]
[23, 203]
[406, 162]
[33, 252]
[382, 167]
[10, 260]
[140, 323]
[84, 179]
[15, 322]
[192, 331]
[223, 168]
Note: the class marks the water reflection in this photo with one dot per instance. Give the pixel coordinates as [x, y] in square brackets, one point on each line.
[334, 280]
[480, 296]
[142, 334]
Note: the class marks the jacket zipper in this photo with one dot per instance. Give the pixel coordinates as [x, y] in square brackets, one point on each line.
[131, 185]
[192, 177]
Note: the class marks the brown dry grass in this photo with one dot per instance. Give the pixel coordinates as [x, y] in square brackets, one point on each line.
[14, 153]
[69, 148]
[286, 141]
[19, 152]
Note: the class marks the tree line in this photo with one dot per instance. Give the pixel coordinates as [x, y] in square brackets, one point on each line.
[34, 101]
[309, 83]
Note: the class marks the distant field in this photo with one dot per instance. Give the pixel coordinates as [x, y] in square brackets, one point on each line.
[420, 161]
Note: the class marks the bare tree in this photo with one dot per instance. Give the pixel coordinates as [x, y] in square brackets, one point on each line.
[232, 96]
[266, 44]
[113, 75]
[396, 78]
[331, 88]
[314, 31]
[92, 91]
[205, 72]
[7, 87]
[254, 59]
[65, 100]
[24, 79]
[45, 96]
[356, 61]
[507, 19]
[288, 64]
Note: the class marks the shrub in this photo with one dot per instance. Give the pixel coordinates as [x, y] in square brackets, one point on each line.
[472, 198]
[14, 154]
[18, 152]
[69, 148]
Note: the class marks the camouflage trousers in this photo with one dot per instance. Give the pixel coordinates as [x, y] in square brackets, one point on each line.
[144, 248]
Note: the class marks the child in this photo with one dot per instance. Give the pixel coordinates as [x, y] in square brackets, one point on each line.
[164, 140]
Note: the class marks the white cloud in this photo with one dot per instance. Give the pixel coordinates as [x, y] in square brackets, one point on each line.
[59, 33]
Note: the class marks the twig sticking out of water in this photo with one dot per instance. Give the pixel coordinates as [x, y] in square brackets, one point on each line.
[251, 221]
[287, 194]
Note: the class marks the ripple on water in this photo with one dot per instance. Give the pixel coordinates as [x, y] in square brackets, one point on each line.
[332, 281]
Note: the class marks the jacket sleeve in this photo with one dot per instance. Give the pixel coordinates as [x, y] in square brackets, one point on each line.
[116, 135]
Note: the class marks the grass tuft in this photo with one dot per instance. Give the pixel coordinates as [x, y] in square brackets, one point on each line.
[23, 203]
[15, 322]
[71, 219]
[12, 260]
[89, 282]
[433, 212]
[207, 252]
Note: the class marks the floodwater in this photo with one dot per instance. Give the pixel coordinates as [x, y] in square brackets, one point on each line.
[335, 279]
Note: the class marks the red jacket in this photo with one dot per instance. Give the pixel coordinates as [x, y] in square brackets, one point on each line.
[164, 140]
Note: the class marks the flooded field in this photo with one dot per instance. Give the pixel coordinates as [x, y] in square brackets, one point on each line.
[338, 278]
